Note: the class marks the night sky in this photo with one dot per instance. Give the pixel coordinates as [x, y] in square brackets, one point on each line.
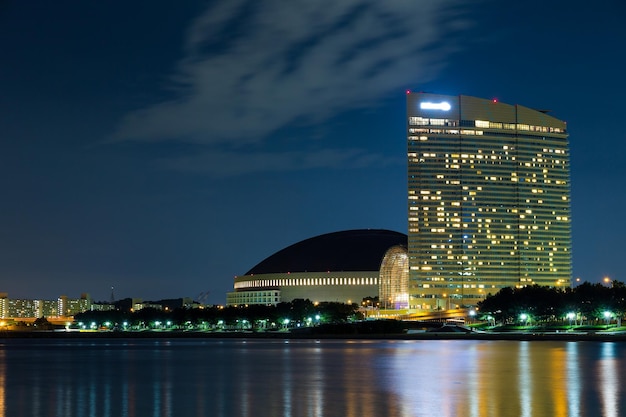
[163, 148]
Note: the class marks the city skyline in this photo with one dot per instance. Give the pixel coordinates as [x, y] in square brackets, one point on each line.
[164, 150]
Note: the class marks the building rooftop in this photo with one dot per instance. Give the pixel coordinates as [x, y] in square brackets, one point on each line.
[350, 250]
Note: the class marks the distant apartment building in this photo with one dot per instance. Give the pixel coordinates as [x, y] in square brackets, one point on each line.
[68, 307]
[102, 307]
[31, 308]
[22, 308]
[166, 305]
[138, 304]
[4, 305]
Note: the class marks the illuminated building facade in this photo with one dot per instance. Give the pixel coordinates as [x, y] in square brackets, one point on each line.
[340, 267]
[488, 199]
[393, 284]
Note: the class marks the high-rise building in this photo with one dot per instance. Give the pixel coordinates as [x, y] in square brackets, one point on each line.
[488, 199]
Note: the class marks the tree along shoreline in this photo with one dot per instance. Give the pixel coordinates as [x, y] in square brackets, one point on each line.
[487, 336]
[585, 304]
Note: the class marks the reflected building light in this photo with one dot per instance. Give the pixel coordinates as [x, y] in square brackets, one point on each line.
[107, 395]
[2, 384]
[525, 380]
[92, 403]
[574, 390]
[244, 394]
[156, 390]
[473, 396]
[557, 366]
[317, 385]
[167, 398]
[609, 380]
[430, 399]
[125, 396]
[36, 396]
[287, 382]
[64, 403]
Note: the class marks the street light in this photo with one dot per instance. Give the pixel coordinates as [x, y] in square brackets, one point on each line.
[607, 316]
[570, 316]
[472, 313]
[524, 318]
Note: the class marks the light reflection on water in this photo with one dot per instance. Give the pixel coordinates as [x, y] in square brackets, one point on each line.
[251, 378]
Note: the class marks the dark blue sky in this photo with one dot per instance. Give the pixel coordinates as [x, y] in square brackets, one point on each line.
[162, 149]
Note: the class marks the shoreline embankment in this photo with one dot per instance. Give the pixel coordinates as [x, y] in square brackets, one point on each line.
[519, 336]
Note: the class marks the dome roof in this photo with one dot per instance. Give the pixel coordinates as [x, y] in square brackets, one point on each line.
[350, 250]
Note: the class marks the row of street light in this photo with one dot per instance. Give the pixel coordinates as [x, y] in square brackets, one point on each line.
[571, 316]
[526, 319]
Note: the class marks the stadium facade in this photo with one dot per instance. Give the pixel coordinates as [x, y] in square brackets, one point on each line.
[337, 267]
[488, 199]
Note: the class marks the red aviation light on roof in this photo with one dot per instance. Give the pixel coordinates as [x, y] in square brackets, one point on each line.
[495, 100]
[408, 91]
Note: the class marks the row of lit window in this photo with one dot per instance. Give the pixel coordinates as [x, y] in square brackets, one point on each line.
[470, 254]
[487, 135]
[533, 222]
[254, 295]
[499, 268]
[296, 282]
[493, 160]
[424, 121]
[252, 298]
[464, 286]
[452, 257]
[477, 245]
[488, 154]
[449, 132]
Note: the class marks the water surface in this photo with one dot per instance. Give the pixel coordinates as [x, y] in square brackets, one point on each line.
[323, 378]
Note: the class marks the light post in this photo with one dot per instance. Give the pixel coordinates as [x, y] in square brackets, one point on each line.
[524, 318]
[472, 313]
[570, 316]
[607, 316]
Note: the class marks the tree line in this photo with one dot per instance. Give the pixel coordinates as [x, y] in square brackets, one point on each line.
[585, 303]
[251, 317]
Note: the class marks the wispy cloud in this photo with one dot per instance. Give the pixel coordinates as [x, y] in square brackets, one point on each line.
[252, 67]
[219, 163]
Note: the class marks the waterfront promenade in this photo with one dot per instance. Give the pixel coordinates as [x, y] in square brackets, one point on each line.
[619, 336]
